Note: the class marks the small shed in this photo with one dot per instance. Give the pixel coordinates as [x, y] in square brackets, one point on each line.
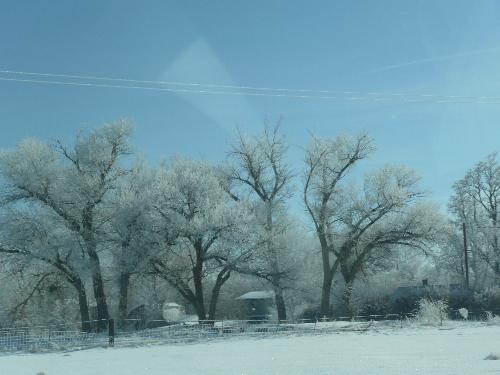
[258, 304]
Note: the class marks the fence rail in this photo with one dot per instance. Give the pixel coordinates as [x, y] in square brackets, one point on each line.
[136, 332]
[15, 340]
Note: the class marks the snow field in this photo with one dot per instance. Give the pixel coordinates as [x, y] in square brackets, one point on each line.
[458, 349]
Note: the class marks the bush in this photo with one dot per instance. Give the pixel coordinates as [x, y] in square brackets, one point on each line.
[464, 313]
[492, 318]
[488, 299]
[432, 312]
[312, 314]
[493, 357]
[379, 306]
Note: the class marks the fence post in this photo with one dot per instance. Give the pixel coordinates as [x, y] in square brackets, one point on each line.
[111, 332]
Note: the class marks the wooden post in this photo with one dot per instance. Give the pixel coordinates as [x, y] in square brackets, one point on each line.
[111, 332]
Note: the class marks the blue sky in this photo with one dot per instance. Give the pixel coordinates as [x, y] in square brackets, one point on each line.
[419, 47]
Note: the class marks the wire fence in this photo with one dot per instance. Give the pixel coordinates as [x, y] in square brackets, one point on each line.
[34, 340]
[69, 336]
[49, 338]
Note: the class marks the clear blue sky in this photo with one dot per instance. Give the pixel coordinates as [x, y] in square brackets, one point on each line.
[429, 47]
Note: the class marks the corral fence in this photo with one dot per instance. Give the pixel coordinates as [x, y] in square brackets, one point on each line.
[69, 336]
[35, 339]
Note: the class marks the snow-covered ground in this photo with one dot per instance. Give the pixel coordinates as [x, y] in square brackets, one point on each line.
[455, 349]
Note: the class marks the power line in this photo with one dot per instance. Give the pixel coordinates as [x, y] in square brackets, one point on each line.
[242, 87]
[69, 83]
[171, 83]
[205, 88]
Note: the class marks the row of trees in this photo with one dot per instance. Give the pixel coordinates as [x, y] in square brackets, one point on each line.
[474, 206]
[94, 216]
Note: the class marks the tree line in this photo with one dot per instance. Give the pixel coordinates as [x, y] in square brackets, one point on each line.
[98, 218]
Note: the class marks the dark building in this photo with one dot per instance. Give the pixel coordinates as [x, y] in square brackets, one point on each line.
[258, 304]
[405, 298]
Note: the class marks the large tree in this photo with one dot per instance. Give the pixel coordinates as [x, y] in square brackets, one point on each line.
[475, 203]
[356, 227]
[73, 184]
[206, 233]
[258, 164]
[134, 234]
[327, 163]
[35, 240]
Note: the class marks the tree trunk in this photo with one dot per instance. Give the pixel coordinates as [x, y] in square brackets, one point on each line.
[98, 288]
[280, 302]
[222, 277]
[274, 264]
[198, 289]
[326, 292]
[83, 303]
[346, 298]
[200, 309]
[123, 298]
[95, 268]
[79, 285]
[349, 273]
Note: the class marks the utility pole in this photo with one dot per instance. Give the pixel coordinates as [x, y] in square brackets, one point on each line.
[466, 257]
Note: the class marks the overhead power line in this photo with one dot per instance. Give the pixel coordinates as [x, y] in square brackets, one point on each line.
[171, 83]
[222, 89]
[180, 90]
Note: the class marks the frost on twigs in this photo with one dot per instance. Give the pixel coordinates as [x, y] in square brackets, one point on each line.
[432, 312]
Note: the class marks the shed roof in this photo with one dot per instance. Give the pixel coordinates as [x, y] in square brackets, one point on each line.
[258, 294]
[171, 304]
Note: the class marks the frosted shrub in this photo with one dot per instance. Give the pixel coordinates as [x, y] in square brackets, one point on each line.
[492, 318]
[432, 312]
[464, 313]
[488, 298]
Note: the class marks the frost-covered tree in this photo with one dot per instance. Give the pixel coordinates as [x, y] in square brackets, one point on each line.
[134, 231]
[358, 227]
[40, 246]
[206, 233]
[259, 165]
[475, 203]
[34, 293]
[327, 163]
[72, 185]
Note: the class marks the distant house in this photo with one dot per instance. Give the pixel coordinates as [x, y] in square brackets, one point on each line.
[405, 298]
[258, 304]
